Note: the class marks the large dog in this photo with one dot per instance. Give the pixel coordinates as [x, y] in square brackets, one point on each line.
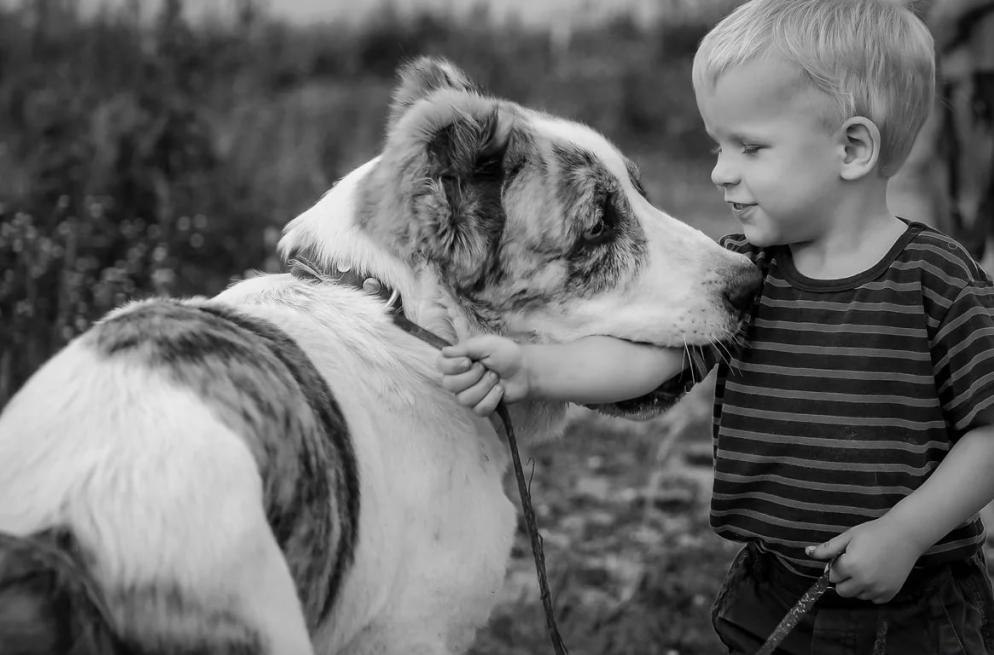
[277, 469]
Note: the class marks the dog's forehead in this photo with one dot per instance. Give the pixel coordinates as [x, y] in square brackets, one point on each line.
[563, 131]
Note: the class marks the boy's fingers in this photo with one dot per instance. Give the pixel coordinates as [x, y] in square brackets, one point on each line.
[459, 382]
[479, 347]
[472, 396]
[453, 365]
[830, 549]
[847, 588]
[489, 403]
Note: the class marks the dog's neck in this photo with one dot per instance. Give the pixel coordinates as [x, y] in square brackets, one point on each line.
[328, 238]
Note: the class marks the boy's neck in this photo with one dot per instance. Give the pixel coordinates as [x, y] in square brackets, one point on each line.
[856, 237]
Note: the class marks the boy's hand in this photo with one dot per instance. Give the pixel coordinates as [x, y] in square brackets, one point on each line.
[481, 371]
[872, 560]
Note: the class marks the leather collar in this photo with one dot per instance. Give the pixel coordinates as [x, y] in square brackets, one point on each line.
[344, 274]
[304, 269]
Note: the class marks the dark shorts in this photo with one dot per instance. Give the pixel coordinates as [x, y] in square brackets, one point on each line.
[945, 610]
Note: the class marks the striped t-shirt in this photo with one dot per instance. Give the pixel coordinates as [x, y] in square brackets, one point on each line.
[848, 393]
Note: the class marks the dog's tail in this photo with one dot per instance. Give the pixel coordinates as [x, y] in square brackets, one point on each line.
[49, 603]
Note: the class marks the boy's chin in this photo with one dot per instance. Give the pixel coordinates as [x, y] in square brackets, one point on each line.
[760, 238]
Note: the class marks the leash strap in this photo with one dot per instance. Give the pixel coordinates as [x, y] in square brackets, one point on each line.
[538, 552]
[796, 613]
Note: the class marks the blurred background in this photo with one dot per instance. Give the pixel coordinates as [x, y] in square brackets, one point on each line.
[158, 147]
[151, 147]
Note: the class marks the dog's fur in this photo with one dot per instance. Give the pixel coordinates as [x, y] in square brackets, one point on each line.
[278, 469]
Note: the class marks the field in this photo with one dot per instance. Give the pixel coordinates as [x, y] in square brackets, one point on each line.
[164, 158]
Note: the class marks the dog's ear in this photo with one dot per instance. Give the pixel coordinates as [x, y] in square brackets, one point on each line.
[421, 77]
[460, 213]
[435, 195]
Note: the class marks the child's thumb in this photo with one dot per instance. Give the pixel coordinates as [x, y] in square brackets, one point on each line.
[830, 549]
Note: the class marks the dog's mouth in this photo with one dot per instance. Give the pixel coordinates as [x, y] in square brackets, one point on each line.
[642, 408]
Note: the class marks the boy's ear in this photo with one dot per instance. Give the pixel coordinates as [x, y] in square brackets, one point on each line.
[860, 140]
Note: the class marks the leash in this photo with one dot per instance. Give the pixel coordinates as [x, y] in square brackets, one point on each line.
[302, 268]
[796, 613]
[538, 552]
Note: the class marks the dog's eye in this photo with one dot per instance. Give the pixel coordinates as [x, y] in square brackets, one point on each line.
[602, 230]
[595, 232]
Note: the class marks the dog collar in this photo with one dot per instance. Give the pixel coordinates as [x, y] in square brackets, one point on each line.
[347, 275]
[304, 269]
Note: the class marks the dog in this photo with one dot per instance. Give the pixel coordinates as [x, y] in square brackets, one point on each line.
[277, 469]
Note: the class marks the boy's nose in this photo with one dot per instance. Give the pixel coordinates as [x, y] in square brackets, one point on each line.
[722, 175]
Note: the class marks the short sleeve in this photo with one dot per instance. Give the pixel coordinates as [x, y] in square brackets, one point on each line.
[963, 358]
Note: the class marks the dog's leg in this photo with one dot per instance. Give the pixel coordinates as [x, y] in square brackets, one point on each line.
[164, 501]
[215, 547]
[262, 583]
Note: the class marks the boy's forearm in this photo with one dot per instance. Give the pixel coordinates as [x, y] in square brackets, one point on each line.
[958, 488]
[598, 369]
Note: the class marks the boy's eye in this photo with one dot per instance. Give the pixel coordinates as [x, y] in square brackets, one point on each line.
[750, 149]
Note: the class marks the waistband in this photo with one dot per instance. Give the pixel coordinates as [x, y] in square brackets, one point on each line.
[920, 582]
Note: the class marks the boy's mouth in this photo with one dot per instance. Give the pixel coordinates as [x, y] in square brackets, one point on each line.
[740, 206]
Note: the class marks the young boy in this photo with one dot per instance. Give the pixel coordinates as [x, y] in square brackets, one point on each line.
[854, 427]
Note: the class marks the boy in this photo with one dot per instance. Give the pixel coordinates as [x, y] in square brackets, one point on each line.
[853, 427]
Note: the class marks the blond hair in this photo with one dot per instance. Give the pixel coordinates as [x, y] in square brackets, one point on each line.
[873, 58]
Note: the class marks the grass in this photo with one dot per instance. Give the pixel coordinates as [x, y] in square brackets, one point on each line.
[632, 563]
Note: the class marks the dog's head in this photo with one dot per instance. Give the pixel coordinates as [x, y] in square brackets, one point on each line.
[533, 226]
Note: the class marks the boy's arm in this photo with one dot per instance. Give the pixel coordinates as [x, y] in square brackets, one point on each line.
[587, 371]
[879, 554]
[597, 370]
[959, 487]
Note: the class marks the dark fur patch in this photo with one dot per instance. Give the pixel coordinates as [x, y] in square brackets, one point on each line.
[260, 383]
[47, 599]
[604, 241]
[222, 633]
[50, 605]
[467, 159]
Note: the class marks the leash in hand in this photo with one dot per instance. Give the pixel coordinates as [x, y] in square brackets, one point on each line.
[558, 645]
[796, 613]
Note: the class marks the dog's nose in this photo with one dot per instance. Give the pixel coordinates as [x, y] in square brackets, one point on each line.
[742, 288]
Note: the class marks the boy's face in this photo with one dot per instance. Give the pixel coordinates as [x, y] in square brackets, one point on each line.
[778, 163]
